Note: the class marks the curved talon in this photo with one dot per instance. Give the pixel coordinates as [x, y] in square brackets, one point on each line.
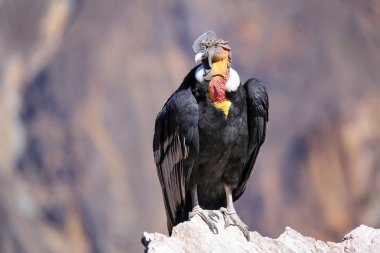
[207, 216]
[210, 223]
[231, 218]
[213, 215]
[227, 221]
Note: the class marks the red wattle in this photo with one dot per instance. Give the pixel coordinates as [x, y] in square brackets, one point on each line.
[217, 89]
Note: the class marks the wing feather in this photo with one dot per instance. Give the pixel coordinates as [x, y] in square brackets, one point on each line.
[176, 148]
[257, 116]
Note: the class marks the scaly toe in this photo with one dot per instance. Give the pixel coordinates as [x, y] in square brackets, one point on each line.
[207, 216]
[244, 228]
[208, 221]
[231, 218]
[213, 215]
[226, 216]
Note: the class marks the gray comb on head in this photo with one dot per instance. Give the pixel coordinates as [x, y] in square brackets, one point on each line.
[204, 41]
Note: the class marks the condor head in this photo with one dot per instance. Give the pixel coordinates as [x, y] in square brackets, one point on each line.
[214, 54]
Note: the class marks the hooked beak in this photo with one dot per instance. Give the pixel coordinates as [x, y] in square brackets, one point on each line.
[219, 62]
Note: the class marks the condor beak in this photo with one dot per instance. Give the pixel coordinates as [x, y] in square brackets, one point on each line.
[219, 62]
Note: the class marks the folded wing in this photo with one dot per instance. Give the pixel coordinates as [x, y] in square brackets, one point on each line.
[257, 116]
[176, 149]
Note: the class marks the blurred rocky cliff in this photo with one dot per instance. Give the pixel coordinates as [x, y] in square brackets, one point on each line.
[81, 83]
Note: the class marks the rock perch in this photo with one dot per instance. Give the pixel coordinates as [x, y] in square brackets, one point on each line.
[195, 236]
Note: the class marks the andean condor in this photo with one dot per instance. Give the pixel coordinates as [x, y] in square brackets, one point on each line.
[207, 137]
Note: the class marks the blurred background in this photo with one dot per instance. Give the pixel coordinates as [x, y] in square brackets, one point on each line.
[81, 83]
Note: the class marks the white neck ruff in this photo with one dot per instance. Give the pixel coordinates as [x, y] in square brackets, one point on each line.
[232, 83]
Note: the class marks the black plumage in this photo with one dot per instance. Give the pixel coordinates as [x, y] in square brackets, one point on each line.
[203, 156]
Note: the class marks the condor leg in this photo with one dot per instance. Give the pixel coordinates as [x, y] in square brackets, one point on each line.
[208, 216]
[230, 215]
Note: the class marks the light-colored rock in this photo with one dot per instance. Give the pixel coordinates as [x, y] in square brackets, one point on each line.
[195, 236]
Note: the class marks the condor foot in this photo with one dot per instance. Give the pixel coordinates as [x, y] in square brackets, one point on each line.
[208, 216]
[231, 218]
